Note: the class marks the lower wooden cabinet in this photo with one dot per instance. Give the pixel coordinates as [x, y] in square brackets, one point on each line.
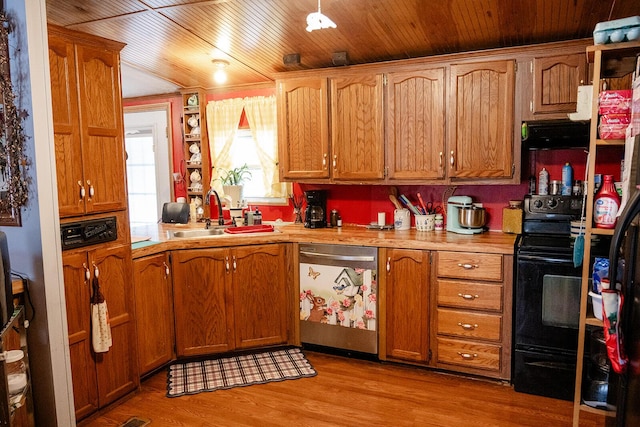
[473, 313]
[100, 378]
[406, 304]
[154, 311]
[231, 298]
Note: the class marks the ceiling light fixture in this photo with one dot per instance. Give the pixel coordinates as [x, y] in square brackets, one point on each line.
[318, 21]
[220, 75]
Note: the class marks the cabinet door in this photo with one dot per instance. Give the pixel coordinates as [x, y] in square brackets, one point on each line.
[154, 311]
[407, 302]
[260, 295]
[66, 127]
[117, 369]
[555, 83]
[416, 125]
[481, 120]
[100, 100]
[303, 128]
[203, 301]
[357, 133]
[77, 289]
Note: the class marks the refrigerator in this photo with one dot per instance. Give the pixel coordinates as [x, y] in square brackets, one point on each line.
[625, 349]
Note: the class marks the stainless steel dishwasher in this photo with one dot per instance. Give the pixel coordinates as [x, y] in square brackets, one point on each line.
[338, 296]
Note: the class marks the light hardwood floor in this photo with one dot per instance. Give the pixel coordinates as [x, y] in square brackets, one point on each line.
[348, 392]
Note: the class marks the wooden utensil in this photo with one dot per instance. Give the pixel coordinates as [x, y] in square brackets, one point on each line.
[395, 201]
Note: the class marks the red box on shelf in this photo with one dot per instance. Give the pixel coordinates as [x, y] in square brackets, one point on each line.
[614, 102]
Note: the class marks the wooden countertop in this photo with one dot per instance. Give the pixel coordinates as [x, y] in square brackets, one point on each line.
[488, 242]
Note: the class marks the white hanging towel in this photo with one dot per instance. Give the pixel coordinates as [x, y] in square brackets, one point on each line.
[100, 324]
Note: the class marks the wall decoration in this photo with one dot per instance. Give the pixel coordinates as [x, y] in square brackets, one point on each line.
[14, 180]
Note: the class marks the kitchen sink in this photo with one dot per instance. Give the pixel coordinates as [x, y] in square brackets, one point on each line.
[185, 234]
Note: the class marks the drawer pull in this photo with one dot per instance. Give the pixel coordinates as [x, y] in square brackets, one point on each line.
[468, 326]
[468, 296]
[468, 356]
[468, 266]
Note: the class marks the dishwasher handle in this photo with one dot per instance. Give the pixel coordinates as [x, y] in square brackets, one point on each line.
[357, 258]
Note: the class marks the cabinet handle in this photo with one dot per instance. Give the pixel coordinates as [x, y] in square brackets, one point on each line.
[468, 356]
[468, 296]
[96, 270]
[452, 160]
[468, 266]
[388, 264]
[324, 161]
[468, 326]
[91, 190]
[335, 161]
[226, 263]
[82, 191]
[166, 270]
[87, 273]
[235, 265]
[441, 155]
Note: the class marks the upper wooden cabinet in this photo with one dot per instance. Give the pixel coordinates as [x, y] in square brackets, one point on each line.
[357, 132]
[555, 83]
[303, 128]
[481, 108]
[415, 124]
[87, 116]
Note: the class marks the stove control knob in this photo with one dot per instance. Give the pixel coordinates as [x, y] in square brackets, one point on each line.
[552, 203]
[537, 204]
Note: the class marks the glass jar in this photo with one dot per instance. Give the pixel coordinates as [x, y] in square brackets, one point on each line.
[16, 371]
[439, 222]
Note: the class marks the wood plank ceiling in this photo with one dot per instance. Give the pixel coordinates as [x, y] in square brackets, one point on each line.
[177, 39]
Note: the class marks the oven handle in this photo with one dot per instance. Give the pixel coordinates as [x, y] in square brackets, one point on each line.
[545, 259]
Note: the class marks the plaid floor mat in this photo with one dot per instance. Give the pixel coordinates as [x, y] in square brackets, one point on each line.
[259, 368]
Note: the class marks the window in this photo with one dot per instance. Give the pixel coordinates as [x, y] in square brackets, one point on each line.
[256, 147]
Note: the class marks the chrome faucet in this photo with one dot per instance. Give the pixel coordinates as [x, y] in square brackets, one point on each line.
[207, 202]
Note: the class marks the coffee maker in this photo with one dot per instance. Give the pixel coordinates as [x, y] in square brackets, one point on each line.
[315, 216]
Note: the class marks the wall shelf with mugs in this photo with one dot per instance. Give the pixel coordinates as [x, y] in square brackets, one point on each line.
[196, 147]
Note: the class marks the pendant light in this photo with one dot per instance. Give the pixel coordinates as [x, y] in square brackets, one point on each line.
[318, 21]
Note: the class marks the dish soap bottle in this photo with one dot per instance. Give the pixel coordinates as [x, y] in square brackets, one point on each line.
[607, 203]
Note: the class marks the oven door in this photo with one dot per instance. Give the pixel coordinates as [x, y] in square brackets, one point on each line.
[547, 301]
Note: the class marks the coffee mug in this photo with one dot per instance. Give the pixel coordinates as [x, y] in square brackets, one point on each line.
[401, 219]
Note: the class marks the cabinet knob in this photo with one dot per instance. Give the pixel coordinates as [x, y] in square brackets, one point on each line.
[226, 263]
[96, 270]
[452, 159]
[91, 190]
[468, 326]
[87, 273]
[335, 161]
[388, 264]
[235, 264]
[166, 270]
[468, 266]
[468, 356]
[324, 161]
[441, 155]
[468, 296]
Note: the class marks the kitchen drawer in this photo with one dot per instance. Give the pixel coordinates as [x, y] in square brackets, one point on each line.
[469, 324]
[470, 265]
[469, 354]
[470, 295]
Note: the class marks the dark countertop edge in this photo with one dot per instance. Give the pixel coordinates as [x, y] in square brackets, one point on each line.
[488, 242]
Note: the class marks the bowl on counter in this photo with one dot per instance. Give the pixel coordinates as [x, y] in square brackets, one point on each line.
[472, 217]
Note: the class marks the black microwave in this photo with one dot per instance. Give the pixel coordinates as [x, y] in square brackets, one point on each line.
[555, 134]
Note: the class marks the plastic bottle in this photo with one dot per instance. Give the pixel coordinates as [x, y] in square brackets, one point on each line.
[607, 203]
[543, 182]
[567, 179]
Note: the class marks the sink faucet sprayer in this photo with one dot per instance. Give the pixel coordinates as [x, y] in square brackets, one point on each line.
[207, 202]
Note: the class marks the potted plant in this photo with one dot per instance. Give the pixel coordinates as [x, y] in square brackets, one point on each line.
[232, 180]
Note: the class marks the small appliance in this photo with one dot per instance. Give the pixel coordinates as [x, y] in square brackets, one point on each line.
[315, 216]
[454, 203]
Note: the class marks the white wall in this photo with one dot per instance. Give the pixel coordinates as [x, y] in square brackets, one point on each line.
[35, 246]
